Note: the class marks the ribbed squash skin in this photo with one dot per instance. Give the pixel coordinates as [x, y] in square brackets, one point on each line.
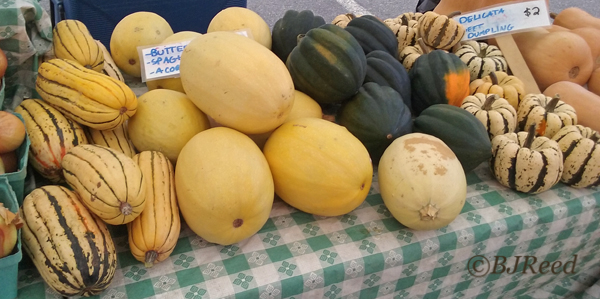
[88, 97]
[376, 115]
[110, 67]
[153, 235]
[328, 64]
[286, 30]
[581, 155]
[52, 135]
[111, 185]
[495, 113]
[530, 169]
[438, 78]
[481, 58]
[72, 40]
[385, 70]
[117, 139]
[372, 34]
[70, 247]
[440, 31]
[460, 130]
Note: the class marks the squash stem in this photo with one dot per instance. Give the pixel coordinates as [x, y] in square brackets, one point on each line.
[424, 47]
[530, 136]
[299, 37]
[553, 15]
[125, 208]
[489, 101]
[552, 104]
[453, 14]
[150, 258]
[595, 137]
[429, 212]
[494, 78]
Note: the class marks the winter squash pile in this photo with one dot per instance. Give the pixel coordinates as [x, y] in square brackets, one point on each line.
[306, 112]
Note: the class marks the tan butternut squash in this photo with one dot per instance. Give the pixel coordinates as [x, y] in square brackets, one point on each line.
[592, 38]
[594, 82]
[586, 103]
[555, 56]
[575, 17]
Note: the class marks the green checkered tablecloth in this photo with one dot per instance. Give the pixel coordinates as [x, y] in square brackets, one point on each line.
[368, 254]
[25, 36]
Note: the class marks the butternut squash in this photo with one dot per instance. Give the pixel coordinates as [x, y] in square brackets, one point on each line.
[575, 17]
[555, 56]
[586, 103]
[594, 82]
[592, 38]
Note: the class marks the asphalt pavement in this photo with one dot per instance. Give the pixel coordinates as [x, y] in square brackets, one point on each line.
[271, 10]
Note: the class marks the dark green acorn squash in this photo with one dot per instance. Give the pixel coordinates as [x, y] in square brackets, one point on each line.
[376, 115]
[372, 34]
[286, 30]
[438, 77]
[460, 130]
[328, 64]
[384, 69]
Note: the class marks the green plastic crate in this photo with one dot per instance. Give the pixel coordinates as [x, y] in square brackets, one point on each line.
[9, 265]
[17, 179]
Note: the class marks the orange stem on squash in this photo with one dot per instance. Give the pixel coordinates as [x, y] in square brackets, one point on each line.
[487, 105]
[530, 136]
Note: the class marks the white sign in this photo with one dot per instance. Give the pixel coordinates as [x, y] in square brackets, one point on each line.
[161, 61]
[505, 18]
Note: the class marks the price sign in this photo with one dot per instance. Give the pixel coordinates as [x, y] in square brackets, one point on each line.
[161, 61]
[504, 19]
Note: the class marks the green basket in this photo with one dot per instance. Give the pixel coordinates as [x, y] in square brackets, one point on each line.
[17, 179]
[9, 265]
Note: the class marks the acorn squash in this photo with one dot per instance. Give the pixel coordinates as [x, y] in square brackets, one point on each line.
[460, 130]
[438, 77]
[372, 34]
[376, 115]
[328, 64]
[286, 30]
[385, 70]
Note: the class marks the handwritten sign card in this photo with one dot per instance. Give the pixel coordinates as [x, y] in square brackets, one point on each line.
[504, 18]
[161, 61]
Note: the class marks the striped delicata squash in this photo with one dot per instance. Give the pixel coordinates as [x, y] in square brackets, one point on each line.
[52, 135]
[153, 235]
[110, 184]
[110, 67]
[88, 97]
[117, 139]
[70, 247]
[72, 40]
